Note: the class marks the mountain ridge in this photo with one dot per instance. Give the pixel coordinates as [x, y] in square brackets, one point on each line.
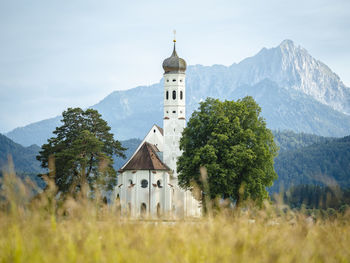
[296, 78]
[22, 158]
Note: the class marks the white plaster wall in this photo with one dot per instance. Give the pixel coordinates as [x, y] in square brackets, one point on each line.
[172, 133]
[155, 137]
[151, 195]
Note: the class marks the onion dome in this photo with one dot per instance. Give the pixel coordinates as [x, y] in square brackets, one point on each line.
[174, 64]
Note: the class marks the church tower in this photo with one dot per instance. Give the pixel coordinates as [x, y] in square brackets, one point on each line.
[148, 181]
[174, 107]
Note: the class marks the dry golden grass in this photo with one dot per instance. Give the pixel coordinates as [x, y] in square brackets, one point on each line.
[84, 231]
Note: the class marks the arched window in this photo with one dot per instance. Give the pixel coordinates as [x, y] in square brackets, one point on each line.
[174, 95]
[144, 183]
[181, 95]
[167, 95]
[143, 209]
[159, 184]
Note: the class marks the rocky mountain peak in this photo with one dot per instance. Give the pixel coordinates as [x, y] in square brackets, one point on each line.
[287, 44]
[292, 67]
[295, 91]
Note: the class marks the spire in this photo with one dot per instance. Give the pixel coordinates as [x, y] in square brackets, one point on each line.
[174, 40]
[174, 51]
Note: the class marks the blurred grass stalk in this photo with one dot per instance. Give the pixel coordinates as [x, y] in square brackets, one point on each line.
[81, 229]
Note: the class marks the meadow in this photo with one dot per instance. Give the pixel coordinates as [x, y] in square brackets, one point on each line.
[82, 230]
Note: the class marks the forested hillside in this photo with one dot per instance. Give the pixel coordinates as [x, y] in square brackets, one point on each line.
[304, 159]
[289, 140]
[325, 163]
[23, 158]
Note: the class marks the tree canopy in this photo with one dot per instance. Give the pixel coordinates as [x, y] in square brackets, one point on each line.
[82, 152]
[231, 141]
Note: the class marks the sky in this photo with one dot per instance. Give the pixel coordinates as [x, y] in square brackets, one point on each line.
[73, 53]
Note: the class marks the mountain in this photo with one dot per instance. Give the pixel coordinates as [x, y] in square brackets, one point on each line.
[293, 110]
[296, 92]
[292, 67]
[24, 159]
[35, 133]
[289, 140]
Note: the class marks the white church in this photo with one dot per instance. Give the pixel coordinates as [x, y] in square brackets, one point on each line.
[147, 182]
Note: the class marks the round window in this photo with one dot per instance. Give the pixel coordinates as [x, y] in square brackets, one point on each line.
[144, 183]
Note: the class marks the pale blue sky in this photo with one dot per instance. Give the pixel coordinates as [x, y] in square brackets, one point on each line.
[56, 54]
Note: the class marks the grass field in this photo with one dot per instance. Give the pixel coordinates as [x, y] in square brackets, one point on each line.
[83, 231]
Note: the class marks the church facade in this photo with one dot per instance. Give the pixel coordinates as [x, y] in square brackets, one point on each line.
[148, 181]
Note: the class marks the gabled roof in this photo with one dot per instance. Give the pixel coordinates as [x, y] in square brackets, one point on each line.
[145, 158]
[152, 138]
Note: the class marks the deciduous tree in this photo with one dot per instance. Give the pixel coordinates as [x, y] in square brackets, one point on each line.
[231, 141]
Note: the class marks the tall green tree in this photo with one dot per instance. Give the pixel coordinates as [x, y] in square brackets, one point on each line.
[231, 141]
[82, 152]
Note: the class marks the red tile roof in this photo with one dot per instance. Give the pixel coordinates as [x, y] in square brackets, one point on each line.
[146, 159]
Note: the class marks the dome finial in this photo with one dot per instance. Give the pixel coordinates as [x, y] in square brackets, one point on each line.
[174, 64]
